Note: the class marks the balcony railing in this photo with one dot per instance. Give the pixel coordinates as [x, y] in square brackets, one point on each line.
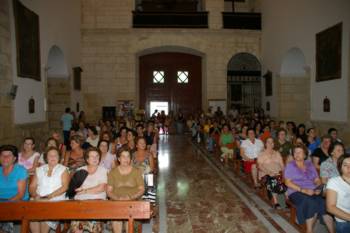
[142, 19]
[233, 20]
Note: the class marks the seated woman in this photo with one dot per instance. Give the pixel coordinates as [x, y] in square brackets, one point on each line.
[329, 167]
[284, 146]
[338, 193]
[61, 147]
[29, 158]
[142, 158]
[49, 183]
[93, 188]
[227, 144]
[124, 183]
[121, 139]
[130, 136]
[321, 154]
[51, 142]
[74, 158]
[107, 136]
[13, 180]
[271, 166]
[107, 159]
[313, 142]
[249, 151]
[93, 137]
[304, 192]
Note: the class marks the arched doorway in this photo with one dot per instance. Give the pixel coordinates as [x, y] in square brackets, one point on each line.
[294, 87]
[244, 82]
[58, 86]
[173, 79]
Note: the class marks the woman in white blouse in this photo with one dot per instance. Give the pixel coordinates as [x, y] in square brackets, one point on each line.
[338, 195]
[49, 183]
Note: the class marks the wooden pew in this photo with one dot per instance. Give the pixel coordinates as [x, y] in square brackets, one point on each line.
[71, 210]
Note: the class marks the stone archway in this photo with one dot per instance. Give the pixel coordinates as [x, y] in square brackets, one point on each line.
[58, 86]
[294, 87]
[244, 82]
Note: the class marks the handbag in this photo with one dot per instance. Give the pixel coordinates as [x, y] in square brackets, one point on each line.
[76, 181]
[274, 184]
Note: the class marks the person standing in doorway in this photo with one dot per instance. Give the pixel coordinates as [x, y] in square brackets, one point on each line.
[66, 122]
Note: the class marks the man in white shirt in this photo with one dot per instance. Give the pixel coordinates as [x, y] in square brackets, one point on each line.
[250, 149]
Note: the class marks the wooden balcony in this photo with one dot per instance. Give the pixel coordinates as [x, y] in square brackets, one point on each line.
[170, 19]
[233, 20]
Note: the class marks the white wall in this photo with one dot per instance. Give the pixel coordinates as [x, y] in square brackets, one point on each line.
[59, 25]
[295, 23]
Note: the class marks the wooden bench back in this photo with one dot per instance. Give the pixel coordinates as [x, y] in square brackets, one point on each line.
[60, 210]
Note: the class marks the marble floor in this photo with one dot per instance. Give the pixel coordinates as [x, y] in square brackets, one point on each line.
[196, 193]
[195, 197]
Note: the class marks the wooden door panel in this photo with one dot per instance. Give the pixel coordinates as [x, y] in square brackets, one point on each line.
[186, 96]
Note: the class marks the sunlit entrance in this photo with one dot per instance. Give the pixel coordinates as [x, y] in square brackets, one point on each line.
[160, 106]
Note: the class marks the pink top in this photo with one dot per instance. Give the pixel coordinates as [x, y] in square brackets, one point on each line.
[27, 163]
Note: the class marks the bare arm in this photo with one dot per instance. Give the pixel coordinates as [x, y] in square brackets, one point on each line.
[315, 161]
[93, 190]
[110, 193]
[63, 152]
[331, 204]
[63, 188]
[151, 161]
[33, 186]
[66, 158]
[324, 180]
[242, 153]
[21, 189]
[35, 165]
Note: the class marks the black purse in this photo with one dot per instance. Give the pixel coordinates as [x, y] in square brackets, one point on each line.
[76, 181]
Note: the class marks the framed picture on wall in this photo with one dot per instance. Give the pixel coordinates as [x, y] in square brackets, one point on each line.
[328, 53]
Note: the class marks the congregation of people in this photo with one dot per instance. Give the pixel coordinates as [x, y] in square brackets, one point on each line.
[110, 160]
[92, 162]
[310, 171]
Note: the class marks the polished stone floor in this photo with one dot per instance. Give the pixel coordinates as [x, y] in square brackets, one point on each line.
[196, 198]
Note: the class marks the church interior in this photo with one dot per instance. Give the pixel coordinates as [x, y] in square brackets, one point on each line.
[182, 71]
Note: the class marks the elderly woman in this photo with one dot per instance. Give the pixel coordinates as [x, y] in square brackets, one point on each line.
[13, 180]
[329, 167]
[74, 158]
[49, 183]
[338, 192]
[29, 158]
[304, 190]
[93, 188]
[51, 142]
[13, 177]
[271, 166]
[107, 159]
[142, 158]
[124, 183]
